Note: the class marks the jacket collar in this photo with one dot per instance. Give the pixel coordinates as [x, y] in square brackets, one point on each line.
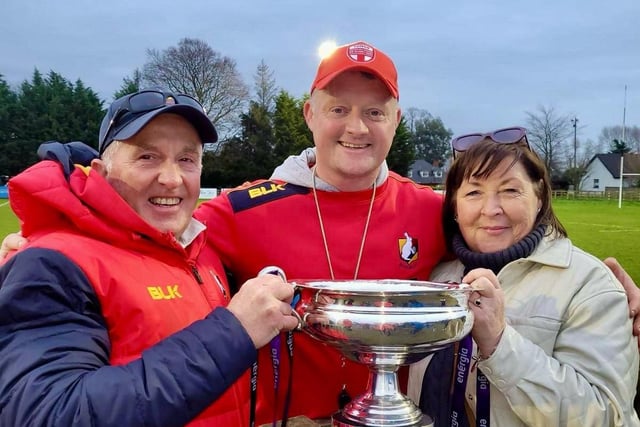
[554, 251]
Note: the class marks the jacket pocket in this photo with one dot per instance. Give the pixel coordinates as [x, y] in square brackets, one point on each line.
[540, 330]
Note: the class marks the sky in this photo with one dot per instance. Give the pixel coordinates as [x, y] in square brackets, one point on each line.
[477, 65]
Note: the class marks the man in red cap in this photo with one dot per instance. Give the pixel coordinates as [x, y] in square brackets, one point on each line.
[336, 212]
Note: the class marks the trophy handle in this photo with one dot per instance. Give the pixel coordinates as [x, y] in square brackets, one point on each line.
[302, 320]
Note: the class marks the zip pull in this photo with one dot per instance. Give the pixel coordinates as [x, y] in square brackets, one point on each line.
[196, 274]
[220, 285]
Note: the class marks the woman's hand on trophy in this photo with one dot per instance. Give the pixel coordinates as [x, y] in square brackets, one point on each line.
[487, 303]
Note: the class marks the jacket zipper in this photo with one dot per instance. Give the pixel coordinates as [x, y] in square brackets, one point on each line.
[196, 274]
[217, 280]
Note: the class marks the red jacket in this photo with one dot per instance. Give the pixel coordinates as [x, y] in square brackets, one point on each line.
[137, 342]
[273, 223]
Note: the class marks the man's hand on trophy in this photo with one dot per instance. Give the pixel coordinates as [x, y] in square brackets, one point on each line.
[263, 307]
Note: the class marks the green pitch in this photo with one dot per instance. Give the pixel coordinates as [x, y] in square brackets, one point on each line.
[8, 221]
[597, 226]
[601, 228]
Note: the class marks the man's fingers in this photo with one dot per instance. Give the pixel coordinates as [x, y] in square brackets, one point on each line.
[290, 323]
[636, 326]
[12, 242]
[633, 293]
[281, 290]
[619, 272]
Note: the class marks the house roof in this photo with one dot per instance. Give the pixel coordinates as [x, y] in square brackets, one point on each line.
[611, 161]
[424, 166]
[421, 164]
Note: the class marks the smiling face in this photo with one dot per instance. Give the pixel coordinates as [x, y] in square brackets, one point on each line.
[353, 121]
[495, 212]
[157, 172]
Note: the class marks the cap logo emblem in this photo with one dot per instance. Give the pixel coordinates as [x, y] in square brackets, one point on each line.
[361, 52]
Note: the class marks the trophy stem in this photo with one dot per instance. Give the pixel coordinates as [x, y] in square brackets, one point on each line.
[383, 381]
[382, 404]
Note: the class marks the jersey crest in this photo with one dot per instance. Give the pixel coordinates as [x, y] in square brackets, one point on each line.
[408, 248]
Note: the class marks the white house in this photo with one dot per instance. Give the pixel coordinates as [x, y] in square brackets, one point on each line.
[603, 171]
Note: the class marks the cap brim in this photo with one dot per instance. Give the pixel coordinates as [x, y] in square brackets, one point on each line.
[323, 82]
[198, 120]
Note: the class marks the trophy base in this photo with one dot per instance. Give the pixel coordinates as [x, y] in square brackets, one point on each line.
[339, 420]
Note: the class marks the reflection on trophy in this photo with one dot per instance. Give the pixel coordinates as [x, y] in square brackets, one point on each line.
[383, 324]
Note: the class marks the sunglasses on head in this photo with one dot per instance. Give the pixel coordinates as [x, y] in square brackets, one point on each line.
[510, 135]
[145, 101]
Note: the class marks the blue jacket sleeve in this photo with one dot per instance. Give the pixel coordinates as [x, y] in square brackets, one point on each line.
[54, 355]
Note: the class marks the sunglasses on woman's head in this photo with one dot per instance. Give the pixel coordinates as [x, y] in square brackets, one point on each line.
[145, 101]
[510, 135]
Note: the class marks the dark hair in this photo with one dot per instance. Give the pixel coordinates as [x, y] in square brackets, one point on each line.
[480, 161]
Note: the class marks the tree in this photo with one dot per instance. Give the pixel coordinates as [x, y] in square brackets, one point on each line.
[265, 140]
[8, 102]
[257, 135]
[9, 131]
[403, 151]
[619, 147]
[546, 131]
[250, 155]
[130, 84]
[49, 108]
[290, 130]
[575, 174]
[194, 68]
[265, 87]
[429, 136]
[86, 110]
[631, 136]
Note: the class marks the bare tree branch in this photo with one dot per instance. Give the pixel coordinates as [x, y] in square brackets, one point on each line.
[547, 131]
[194, 68]
[631, 137]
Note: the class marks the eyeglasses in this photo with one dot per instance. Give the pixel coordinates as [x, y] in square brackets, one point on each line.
[143, 102]
[510, 135]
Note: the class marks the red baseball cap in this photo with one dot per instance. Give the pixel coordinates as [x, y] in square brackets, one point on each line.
[357, 56]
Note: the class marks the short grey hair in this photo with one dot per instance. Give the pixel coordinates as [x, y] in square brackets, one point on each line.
[107, 155]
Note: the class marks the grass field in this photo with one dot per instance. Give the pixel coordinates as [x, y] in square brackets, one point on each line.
[600, 227]
[597, 226]
[8, 221]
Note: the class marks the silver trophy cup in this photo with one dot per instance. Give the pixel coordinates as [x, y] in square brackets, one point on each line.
[383, 324]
